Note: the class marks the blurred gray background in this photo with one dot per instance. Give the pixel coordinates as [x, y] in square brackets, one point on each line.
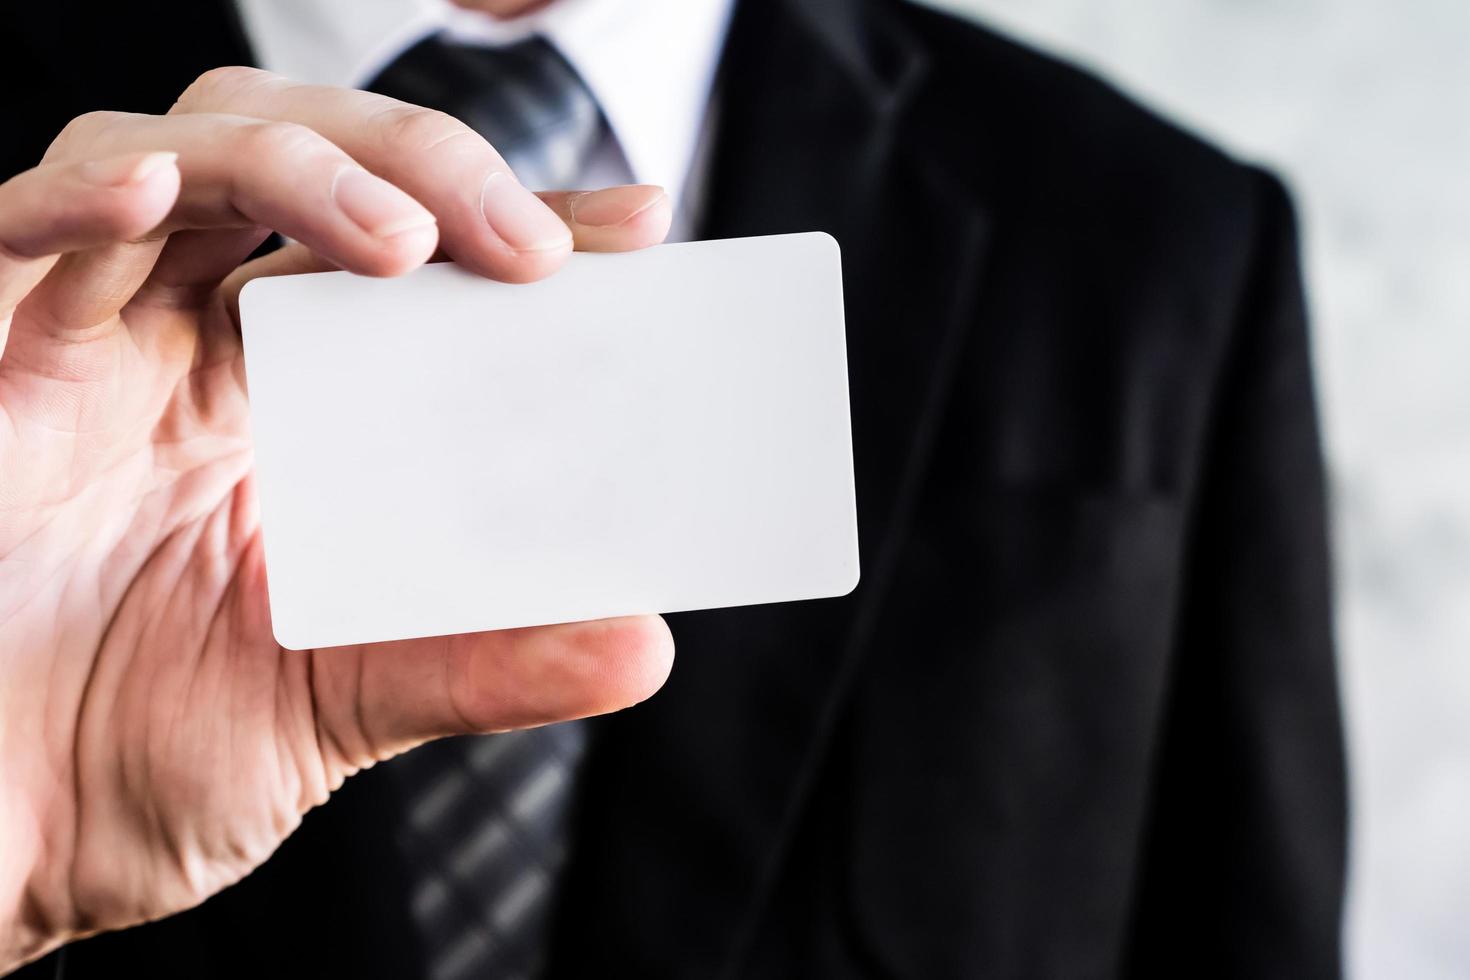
[1364, 107]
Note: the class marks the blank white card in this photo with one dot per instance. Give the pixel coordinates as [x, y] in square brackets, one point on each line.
[645, 432]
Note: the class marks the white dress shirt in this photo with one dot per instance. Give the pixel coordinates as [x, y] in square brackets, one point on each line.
[649, 63]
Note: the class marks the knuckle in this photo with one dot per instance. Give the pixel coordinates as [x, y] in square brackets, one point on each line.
[81, 131]
[219, 85]
[417, 129]
[270, 140]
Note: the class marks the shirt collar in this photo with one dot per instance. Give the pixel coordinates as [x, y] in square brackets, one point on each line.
[649, 63]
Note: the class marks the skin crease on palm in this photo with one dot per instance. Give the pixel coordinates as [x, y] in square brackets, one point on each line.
[156, 744]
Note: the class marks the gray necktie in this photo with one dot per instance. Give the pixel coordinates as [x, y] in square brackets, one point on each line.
[485, 821]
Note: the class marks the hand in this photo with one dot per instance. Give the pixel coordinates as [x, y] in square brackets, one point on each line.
[156, 744]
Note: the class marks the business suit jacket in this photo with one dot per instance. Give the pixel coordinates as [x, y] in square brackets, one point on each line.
[1080, 719]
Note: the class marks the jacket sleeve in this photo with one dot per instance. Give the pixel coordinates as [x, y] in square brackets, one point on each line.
[1244, 863]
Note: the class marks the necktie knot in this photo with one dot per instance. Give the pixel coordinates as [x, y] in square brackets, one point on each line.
[524, 98]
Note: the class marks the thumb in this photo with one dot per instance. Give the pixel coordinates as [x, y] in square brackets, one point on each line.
[375, 701]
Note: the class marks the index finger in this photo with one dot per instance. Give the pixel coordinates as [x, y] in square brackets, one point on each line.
[488, 222]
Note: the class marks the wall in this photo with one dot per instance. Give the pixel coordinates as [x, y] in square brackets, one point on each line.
[1364, 106]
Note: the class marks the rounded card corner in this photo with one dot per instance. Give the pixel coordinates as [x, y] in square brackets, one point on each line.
[250, 289]
[287, 638]
[830, 242]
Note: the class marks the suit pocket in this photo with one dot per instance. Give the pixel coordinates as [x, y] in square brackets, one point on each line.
[1000, 731]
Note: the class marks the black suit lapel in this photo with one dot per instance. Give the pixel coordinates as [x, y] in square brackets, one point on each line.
[691, 800]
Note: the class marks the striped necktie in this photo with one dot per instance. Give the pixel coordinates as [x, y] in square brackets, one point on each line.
[484, 831]
[485, 821]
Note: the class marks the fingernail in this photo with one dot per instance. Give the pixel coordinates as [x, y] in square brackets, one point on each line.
[519, 217]
[376, 206]
[614, 205]
[122, 171]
